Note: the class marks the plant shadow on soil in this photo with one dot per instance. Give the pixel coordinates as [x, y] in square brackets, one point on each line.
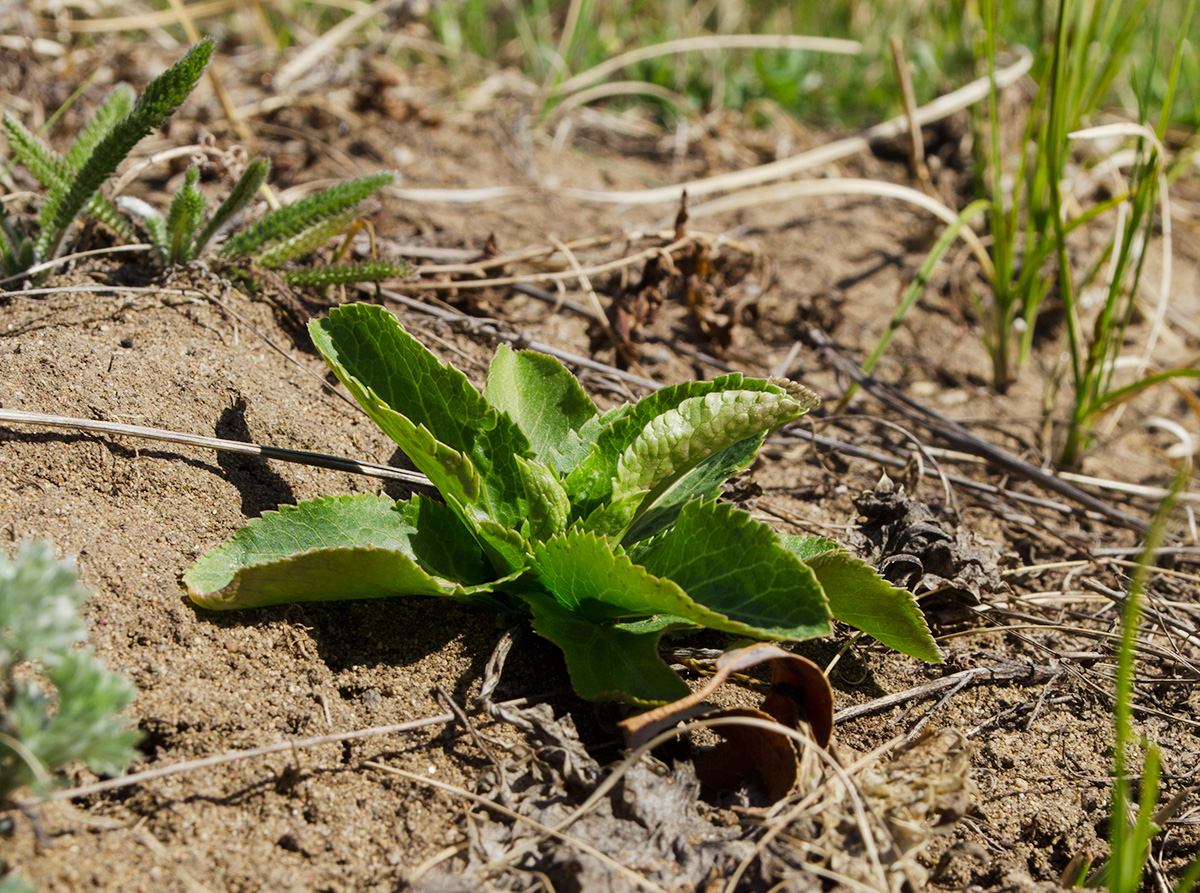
[262, 489]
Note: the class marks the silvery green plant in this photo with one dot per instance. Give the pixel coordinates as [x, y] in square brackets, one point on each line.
[604, 527]
[58, 703]
[72, 181]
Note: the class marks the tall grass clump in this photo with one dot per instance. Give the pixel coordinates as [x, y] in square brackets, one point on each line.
[555, 41]
[1089, 48]
[1093, 46]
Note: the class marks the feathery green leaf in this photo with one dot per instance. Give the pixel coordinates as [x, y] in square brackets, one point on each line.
[276, 253]
[16, 248]
[162, 96]
[341, 274]
[293, 219]
[46, 165]
[116, 106]
[183, 218]
[54, 171]
[74, 717]
[243, 193]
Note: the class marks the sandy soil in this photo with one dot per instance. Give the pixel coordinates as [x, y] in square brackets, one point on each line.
[166, 354]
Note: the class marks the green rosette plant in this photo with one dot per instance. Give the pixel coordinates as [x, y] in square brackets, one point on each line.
[605, 527]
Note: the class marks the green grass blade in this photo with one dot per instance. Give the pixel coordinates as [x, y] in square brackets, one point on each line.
[1118, 395]
[1190, 877]
[1127, 840]
[1002, 226]
[1164, 116]
[917, 287]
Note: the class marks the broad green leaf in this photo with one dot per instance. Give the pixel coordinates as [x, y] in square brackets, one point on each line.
[735, 567]
[321, 574]
[336, 548]
[566, 457]
[807, 547]
[860, 597]
[660, 623]
[507, 549]
[452, 473]
[704, 481]
[383, 365]
[549, 510]
[591, 483]
[576, 447]
[606, 662]
[585, 576]
[371, 345]
[593, 428]
[675, 442]
[612, 519]
[540, 395]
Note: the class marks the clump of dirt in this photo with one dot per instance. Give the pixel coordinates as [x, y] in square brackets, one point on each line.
[1005, 797]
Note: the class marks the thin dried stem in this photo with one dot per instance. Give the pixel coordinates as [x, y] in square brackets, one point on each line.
[232, 756]
[300, 457]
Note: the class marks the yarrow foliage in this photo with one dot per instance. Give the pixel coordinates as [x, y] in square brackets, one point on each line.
[58, 703]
